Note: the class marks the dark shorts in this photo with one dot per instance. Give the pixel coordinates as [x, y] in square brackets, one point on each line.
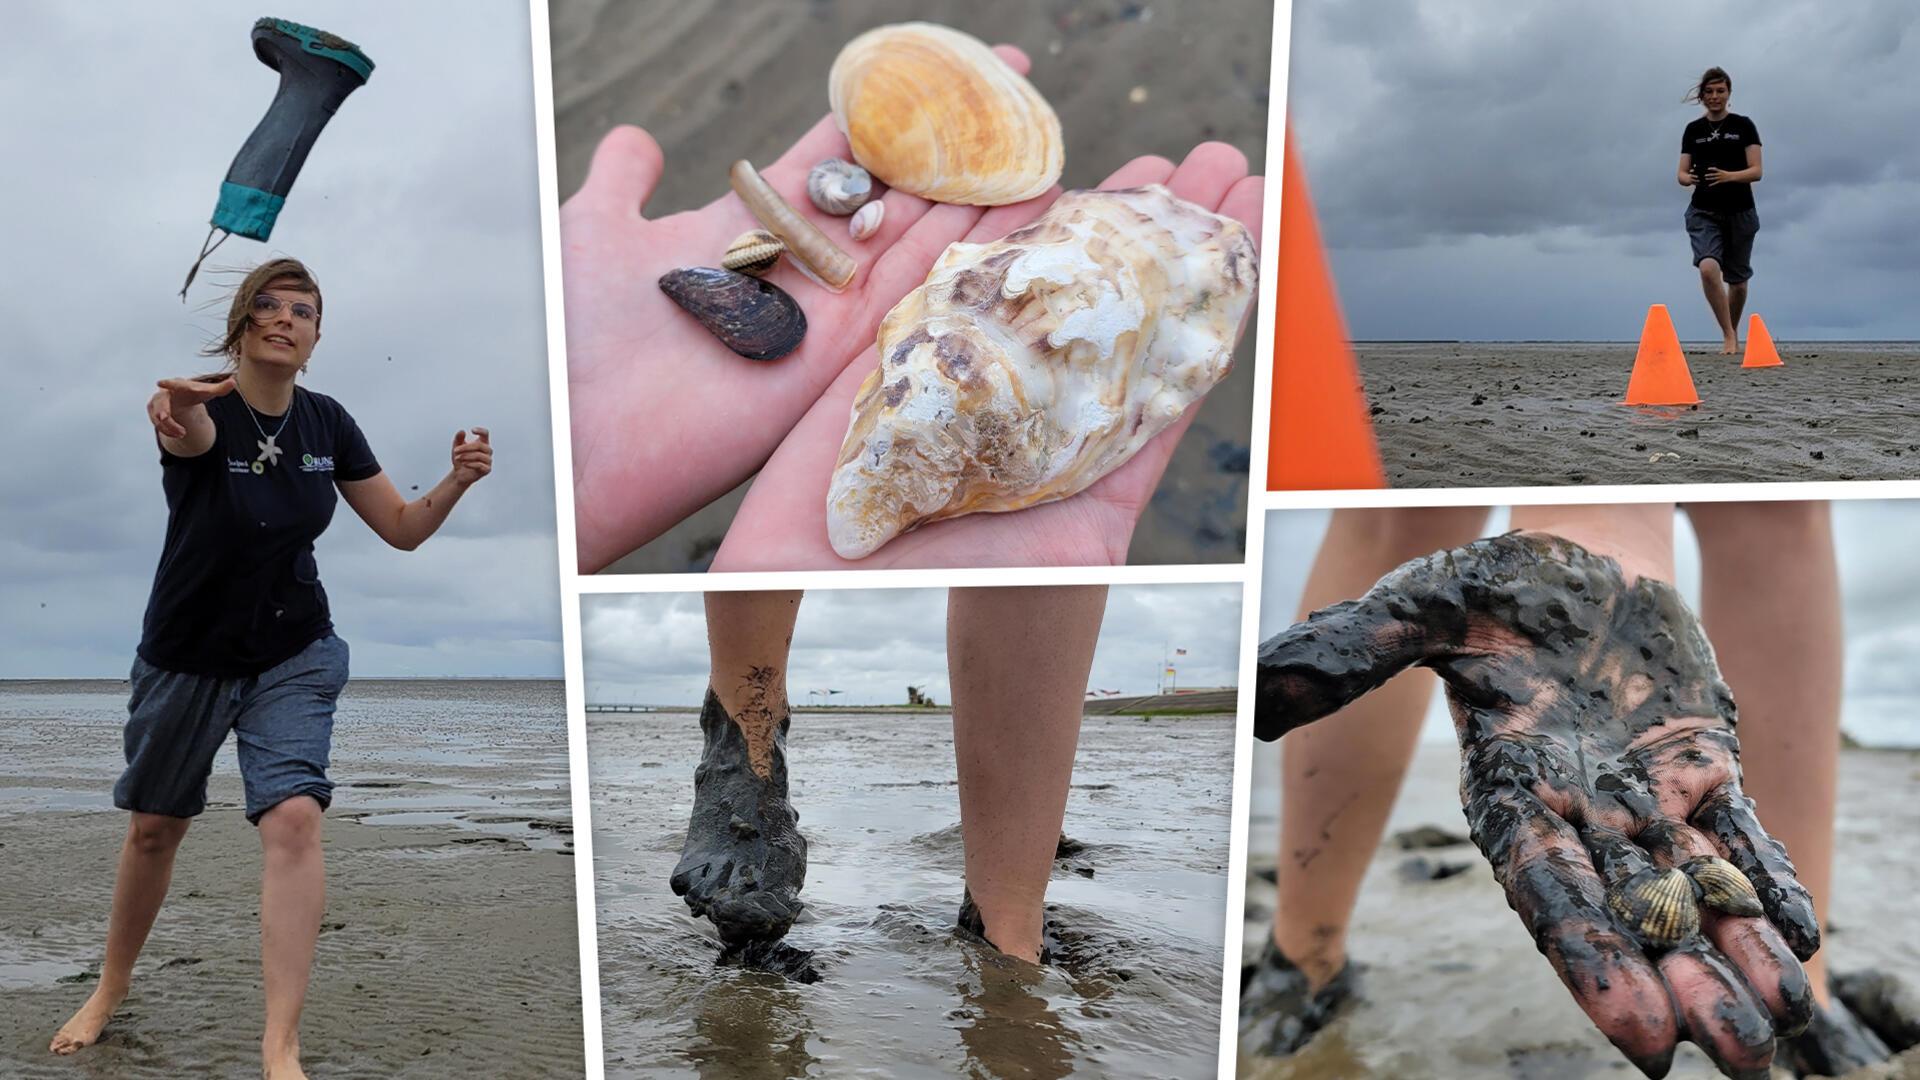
[282, 719]
[1726, 239]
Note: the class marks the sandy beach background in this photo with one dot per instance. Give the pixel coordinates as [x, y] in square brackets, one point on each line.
[449, 947]
[715, 82]
[1453, 985]
[1139, 909]
[1542, 413]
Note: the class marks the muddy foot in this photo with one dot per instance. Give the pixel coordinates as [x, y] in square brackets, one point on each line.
[744, 859]
[1834, 1044]
[774, 958]
[1278, 1013]
[84, 1027]
[1885, 1004]
[969, 921]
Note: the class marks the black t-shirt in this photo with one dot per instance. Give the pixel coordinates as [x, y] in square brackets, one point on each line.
[1720, 144]
[237, 590]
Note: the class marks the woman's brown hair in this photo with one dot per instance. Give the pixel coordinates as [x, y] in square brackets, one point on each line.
[1713, 75]
[291, 273]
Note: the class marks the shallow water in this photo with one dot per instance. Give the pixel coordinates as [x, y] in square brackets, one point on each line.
[449, 945]
[900, 994]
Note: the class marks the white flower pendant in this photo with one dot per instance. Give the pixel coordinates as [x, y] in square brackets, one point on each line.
[269, 453]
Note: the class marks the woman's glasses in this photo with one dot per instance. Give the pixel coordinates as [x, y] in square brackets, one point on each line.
[267, 305]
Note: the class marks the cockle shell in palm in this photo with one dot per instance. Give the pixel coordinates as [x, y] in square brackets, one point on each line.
[935, 113]
[1025, 369]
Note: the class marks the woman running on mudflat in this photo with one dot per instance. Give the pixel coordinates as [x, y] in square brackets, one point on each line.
[1018, 660]
[1600, 760]
[238, 636]
[1720, 161]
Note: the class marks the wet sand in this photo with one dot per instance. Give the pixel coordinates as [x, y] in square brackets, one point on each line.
[1453, 985]
[449, 946]
[899, 994]
[1523, 414]
[717, 82]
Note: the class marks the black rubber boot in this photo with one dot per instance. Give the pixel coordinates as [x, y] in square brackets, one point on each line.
[1278, 1014]
[744, 859]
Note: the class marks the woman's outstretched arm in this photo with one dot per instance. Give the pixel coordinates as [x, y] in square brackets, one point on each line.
[406, 525]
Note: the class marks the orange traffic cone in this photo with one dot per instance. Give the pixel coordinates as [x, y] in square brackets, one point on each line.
[1760, 350]
[1660, 373]
[1321, 437]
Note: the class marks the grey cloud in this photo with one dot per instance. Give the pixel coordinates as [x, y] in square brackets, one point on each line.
[1525, 153]
[872, 643]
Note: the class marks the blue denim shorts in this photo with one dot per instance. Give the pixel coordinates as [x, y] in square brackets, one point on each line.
[282, 717]
[1726, 239]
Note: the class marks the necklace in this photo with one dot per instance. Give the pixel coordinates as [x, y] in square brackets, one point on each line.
[269, 450]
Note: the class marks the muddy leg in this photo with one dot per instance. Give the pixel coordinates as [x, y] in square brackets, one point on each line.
[1018, 659]
[293, 897]
[1339, 777]
[744, 860]
[146, 869]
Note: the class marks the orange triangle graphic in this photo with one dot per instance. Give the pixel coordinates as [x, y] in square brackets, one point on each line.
[1660, 372]
[1760, 350]
[1321, 437]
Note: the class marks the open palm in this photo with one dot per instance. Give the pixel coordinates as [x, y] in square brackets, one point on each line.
[665, 418]
[1600, 772]
[782, 524]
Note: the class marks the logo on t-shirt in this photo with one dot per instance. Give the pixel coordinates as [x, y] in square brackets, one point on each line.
[237, 465]
[309, 463]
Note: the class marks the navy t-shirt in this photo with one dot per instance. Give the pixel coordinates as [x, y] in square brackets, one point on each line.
[1720, 144]
[237, 590]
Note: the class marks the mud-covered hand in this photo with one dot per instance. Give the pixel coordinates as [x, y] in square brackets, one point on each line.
[1600, 775]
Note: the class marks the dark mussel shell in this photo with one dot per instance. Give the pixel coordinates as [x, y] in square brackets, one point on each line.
[754, 318]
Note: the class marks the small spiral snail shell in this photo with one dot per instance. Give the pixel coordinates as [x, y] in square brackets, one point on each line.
[753, 253]
[839, 187]
[866, 221]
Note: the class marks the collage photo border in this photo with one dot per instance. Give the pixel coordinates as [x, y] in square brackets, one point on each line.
[1248, 573]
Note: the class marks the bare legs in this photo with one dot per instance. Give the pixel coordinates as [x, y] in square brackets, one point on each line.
[1720, 299]
[293, 896]
[1018, 659]
[1778, 637]
[748, 638]
[1340, 777]
[146, 869]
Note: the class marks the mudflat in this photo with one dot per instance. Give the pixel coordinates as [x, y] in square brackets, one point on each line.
[1137, 907]
[449, 945]
[1532, 413]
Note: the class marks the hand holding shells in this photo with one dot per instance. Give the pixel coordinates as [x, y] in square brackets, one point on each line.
[1600, 774]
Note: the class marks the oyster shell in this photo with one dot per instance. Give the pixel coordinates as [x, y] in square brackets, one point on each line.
[935, 113]
[1025, 369]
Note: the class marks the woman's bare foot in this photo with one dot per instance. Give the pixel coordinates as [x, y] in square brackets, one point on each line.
[85, 1026]
[280, 1059]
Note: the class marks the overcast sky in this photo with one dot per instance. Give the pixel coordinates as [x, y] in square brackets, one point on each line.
[874, 643]
[1500, 171]
[1880, 604]
[417, 211]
